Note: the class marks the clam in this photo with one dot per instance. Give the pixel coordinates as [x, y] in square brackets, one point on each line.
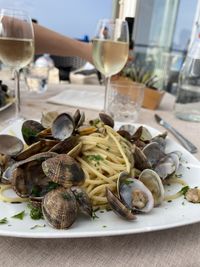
[63, 170]
[143, 134]
[30, 129]
[10, 145]
[134, 194]
[193, 195]
[83, 200]
[118, 207]
[63, 126]
[48, 118]
[59, 208]
[106, 119]
[38, 147]
[66, 145]
[27, 176]
[128, 128]
[79, 118]
[141, 161]
[153, 153]
[167, 165]
[161, 140]
[153, 182]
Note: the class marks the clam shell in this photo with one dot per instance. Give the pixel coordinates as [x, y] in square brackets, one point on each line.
[59, 208]
[127, 186]
[63, 170]
[118, 207]
[153, 182]
[10, 145]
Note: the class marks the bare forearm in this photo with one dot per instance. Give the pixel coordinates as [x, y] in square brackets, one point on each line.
[48, 41]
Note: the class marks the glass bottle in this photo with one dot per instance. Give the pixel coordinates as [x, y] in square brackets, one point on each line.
[187, 104]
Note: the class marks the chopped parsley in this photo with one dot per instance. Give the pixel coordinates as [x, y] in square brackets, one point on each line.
[184, 190]
[3, 220]
[35, 212]
[94, 216]
[96, 158]
[19, 215]
[37, 225]
[127, 181]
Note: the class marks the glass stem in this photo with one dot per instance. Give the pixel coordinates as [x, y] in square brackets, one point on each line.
[106, 96]
[17, 95]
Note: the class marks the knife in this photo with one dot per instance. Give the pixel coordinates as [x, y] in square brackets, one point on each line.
[185, 143]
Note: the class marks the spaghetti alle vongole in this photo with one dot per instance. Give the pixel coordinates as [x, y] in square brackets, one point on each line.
[103, 156]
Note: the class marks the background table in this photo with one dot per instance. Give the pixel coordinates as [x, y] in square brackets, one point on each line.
[174, 247]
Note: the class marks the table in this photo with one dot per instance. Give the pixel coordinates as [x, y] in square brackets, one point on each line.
[174, 247]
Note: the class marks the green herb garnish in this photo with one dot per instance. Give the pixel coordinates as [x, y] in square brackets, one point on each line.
[184, 190]
[96, 158]
[35, 212]
[19, 215]
[37, 225]
[94, 216]
[51, 186]
[127, 181]
[36, 191]
[3, 220]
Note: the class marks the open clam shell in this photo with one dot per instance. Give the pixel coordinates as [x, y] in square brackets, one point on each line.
[10, 145]
[153, 182]
[135, 195]
[118, 207]
[27, 176]
[30, 130]
[167, 165]
[63, 126]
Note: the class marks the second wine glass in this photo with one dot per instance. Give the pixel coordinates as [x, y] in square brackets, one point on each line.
[110, 49]
[16, 45]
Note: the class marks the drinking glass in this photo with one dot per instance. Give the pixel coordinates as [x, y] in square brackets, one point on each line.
[16, 45]
[110, 50]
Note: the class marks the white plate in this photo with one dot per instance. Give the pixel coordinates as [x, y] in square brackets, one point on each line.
[168, 215]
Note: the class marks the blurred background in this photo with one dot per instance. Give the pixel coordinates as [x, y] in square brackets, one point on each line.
[161, 30]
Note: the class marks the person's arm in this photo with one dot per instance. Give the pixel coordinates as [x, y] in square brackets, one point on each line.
[53, 43]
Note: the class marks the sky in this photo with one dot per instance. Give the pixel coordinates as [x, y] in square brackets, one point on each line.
[74, 18]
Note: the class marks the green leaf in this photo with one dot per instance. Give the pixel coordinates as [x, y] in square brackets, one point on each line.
[3, 220]
[19, 216]
[184, 190]
[35, 213]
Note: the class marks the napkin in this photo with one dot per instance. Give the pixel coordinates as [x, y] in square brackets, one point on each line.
[83, 97]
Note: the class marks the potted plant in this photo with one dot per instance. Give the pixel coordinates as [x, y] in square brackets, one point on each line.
[152, 95]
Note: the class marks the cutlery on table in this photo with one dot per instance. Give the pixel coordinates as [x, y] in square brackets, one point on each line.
[185, 143]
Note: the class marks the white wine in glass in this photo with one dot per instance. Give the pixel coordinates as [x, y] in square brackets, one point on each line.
[110, 49]
[16, 45]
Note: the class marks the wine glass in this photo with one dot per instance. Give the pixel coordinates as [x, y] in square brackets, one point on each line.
[110, 48]
[16, 45]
